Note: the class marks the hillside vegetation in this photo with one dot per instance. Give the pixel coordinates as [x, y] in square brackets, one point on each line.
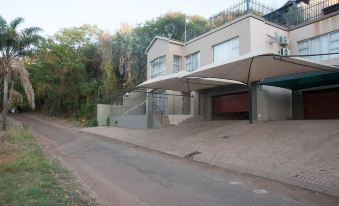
[78, 67]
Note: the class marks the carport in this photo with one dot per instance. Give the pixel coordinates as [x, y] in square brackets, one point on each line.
[175, 82]
[254, 68]
[315, 94]
[250, 69]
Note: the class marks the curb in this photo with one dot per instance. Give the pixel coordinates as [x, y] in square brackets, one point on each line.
[236, 170]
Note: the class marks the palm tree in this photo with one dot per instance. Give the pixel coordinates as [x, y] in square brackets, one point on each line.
[14, 45]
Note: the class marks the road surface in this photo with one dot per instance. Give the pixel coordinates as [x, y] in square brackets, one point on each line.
[122, 174]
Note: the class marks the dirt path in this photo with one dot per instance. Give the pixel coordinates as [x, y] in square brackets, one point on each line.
[124, 175]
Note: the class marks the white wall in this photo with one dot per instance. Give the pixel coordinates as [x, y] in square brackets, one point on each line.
[159, 48]
[240, 27]
[274, 103]
[262, 36]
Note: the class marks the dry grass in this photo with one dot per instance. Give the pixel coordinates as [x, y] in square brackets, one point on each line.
[28, 178]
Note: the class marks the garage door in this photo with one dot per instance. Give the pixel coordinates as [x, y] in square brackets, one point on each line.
[321, 104]
[233, 106]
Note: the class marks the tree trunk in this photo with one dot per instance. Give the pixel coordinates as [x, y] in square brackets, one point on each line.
[5, 102]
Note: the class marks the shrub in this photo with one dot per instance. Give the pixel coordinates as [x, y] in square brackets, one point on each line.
[91, 123]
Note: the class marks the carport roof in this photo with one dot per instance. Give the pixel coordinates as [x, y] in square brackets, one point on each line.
[176, 83]
[257, 66]
[303, 80]
[246, 69]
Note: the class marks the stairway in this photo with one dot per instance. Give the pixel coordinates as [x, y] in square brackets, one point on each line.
[187, 120]
[165, 122]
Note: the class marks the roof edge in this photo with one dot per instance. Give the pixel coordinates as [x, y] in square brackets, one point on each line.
[236, 20]
[173, 41]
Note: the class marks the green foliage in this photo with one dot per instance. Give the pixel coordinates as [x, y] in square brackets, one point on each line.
[15, 45]
[79, 67]
[65, 71]
[91, 123]
[129, 44]
[108, 121]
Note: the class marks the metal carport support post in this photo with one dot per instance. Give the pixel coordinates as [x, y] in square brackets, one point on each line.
[250, 103]
[251, 100]
[249, 84]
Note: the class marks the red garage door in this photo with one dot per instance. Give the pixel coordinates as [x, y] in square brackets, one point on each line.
[230, 106]
[321, 104]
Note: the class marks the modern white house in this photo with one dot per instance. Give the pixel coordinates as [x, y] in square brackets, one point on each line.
[261, 65]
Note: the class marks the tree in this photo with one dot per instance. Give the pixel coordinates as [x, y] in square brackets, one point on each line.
[66, 72]
[15, 45]
[129, 44]
[79, 67]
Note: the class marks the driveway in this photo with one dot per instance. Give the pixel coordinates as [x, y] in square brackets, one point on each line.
[302, 153]
[121, 174]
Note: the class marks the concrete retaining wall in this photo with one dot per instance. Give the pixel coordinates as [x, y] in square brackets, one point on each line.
[106, 110]
[129, 121]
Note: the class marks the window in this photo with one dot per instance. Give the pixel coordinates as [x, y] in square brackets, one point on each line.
[334, 44]
[193, 62]
[226, 50]
[158, 67]
[326, 43]
[303, 48]
[176, 63]
[160, 102]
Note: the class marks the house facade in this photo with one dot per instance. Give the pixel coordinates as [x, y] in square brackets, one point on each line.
[304, 95]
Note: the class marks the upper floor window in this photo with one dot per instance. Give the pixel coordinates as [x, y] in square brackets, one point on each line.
[326, 43]
[193, 61]
[176, 63]
[226, 50]
[158, 67]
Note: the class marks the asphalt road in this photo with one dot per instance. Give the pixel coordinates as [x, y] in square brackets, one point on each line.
[121, 174]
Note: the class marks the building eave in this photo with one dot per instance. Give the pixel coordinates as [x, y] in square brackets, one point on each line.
[165, 39]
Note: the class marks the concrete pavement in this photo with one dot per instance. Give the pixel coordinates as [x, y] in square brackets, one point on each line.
[301, 153]
[121, 174]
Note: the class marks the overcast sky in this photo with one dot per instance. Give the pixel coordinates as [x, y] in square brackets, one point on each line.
[107, 14]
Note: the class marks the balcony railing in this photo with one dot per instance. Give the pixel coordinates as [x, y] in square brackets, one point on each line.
[291, 14]
[296, 14]
[242, 8]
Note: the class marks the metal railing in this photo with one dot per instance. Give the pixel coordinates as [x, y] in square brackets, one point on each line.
[135, 105]
[242, 8]
[289, 15]
[295, 14]
[139, 109]
[160, 103]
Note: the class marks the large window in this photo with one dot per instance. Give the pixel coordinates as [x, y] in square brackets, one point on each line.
[193, 62]
[158, 67]
[176, 63]
[226, 50]
[326, 43]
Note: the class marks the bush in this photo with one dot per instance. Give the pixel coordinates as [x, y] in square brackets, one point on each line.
[108, 121]
[87, 110]
[91, 123]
